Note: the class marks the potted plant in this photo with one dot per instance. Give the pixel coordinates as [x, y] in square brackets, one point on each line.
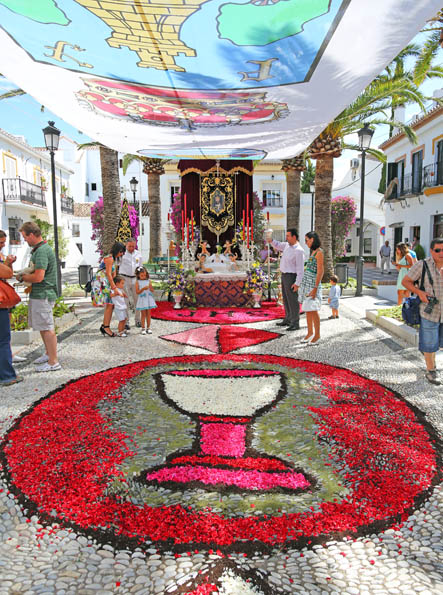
[255, 283]
[63, 191]
[43, 183]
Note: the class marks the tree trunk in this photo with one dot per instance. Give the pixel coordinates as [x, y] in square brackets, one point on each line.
[111, 196]
[293, 195]
[324, 175]
[155, 220]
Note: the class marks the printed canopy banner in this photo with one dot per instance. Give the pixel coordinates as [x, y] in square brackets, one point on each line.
[202, 78]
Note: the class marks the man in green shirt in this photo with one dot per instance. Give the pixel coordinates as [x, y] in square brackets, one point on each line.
[43, 295]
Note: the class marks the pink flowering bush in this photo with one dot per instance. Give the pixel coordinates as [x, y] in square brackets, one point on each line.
[343, 210]
[98, 223]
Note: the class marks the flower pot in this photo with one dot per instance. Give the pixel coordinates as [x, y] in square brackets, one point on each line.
[256, 296]
[177, 295]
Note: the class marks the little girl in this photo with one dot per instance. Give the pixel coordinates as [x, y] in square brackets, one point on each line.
[145, 302]
[334, 296]
[118, 299]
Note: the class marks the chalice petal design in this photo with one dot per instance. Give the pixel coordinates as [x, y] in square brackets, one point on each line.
[223, 457]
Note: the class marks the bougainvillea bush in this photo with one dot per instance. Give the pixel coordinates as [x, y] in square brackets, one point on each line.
[98, 223]
[342, 217]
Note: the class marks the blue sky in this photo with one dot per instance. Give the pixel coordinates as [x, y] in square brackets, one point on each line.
[22, 115]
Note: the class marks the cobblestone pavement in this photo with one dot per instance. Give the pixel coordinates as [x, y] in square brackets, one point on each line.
[57, 560]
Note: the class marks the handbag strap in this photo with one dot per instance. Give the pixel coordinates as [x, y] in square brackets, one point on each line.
[431, 280]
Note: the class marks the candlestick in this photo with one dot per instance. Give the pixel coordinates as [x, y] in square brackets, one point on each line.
[252, 229]
[247, 228]
[192, 225]
[243, 225]
[187, 233]
[185, 205]
[183, 226]
[169, 216]
[267, 216]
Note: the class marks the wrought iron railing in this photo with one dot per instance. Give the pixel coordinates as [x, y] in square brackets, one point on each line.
[433, 175]
[67, 204]
[16, 189]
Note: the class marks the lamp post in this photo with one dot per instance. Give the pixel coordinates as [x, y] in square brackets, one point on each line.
[133, 185]
[52, 137]
[364, 142]
[312, 189]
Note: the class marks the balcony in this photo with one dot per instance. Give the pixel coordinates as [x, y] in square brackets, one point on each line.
[433, 175]
[67, 204]
[17, 190]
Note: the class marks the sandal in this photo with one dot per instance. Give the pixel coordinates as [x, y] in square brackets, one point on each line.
[13, 381]
[105, 332]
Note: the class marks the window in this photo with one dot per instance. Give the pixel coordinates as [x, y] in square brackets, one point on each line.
[398, 235]
[75, 230]
[174, 190]
[438, 226]
[439, 164]
[271, 194]
[14, 224]
[417, 168]
[367, 245]
[392, 173]
[37, 176]
[9, 166]
[348, 246]
[87, 189]
[279, 235]
[80, 247]
[94, 187]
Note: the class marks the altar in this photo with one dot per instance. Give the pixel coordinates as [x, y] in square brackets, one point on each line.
[221, 289]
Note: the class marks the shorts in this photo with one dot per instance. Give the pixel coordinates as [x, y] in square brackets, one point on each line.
[40, 317]
[120, 314]
[430, 337]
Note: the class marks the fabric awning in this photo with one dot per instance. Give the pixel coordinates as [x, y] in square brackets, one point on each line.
[207, 79]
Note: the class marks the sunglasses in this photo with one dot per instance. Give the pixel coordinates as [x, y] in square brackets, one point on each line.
[438, 250]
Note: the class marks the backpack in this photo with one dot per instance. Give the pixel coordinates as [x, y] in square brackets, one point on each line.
[410, 311]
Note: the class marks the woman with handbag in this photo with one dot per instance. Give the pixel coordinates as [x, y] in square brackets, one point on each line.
[403, 262]
[310, 288]
[103, 284]
[8, 299]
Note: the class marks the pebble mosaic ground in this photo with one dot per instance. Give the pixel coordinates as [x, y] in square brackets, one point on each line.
[37, 557]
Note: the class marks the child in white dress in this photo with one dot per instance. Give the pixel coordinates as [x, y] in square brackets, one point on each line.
[118, 299]
[145, 302]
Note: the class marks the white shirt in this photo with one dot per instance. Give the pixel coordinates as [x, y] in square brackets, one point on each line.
[119, 301]
[292, 259]
[129, 262]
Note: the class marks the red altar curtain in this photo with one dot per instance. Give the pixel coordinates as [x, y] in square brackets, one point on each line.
[191, 170]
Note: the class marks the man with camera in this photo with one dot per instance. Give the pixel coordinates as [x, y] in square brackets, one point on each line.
[431, 310]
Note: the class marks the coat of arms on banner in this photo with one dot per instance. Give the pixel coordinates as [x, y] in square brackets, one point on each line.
[185, 109]
[194, 44]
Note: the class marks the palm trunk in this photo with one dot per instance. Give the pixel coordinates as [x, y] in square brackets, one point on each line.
[324, 175]
[155, 222]
[293, 194]
[111, 195]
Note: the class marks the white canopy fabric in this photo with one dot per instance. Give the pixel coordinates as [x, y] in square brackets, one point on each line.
[202, 78]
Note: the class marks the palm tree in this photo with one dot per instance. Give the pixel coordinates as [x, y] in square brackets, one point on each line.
[293, 168]
[111, 192]
[369, 107]
[153, 168]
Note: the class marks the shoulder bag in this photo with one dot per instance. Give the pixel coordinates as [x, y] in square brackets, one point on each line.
[8, 296]
[410, 311]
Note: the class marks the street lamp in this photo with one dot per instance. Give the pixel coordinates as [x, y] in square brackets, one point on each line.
[364, 142]
[312, 189]
[133, 185]
[52, 136]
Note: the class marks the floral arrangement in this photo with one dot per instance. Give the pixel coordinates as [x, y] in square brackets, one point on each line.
[256, 279]
[181, 281]
[98, 223]
[343, 210]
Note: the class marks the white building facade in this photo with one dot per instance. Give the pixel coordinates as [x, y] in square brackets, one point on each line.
[414, 203]
[26, 192]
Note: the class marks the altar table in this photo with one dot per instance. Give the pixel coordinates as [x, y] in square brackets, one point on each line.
[221, 290]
